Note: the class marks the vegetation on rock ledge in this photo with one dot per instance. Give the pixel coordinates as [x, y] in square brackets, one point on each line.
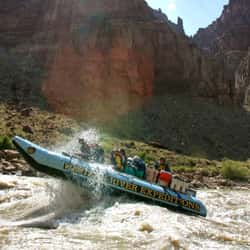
[49, 129]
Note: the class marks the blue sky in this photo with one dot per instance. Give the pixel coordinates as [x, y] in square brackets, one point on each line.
[195, 13]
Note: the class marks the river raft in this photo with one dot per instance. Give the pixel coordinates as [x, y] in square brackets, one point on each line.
[91, 176]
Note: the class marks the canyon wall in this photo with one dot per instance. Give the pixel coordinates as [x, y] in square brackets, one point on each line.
[96, 57]
[226, 41]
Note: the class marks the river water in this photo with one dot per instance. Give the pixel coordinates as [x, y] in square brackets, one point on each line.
[48, 213]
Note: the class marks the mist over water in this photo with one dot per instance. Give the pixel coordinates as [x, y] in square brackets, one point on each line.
[91, 136]
[48, 213]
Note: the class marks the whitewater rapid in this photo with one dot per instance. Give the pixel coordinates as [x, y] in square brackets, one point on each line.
[48, 213]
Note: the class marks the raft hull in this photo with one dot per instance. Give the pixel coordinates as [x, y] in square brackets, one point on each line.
[90, 176]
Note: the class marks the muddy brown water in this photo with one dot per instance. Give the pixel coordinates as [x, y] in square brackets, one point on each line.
[47, 213]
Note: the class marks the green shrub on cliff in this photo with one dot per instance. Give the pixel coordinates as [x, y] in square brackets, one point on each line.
[5, 143]
[187, 126]
[234, 170]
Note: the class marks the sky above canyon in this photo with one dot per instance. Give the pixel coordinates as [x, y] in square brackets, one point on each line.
[195, 13]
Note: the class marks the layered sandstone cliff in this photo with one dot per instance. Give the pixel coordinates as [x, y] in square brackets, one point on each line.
[97, 57]
[229, 32]
[179, 28]
[226, 41]
[242, 80]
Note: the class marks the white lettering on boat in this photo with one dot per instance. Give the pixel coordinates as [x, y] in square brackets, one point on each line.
[137, 189]
[154, 194]
[77, 169]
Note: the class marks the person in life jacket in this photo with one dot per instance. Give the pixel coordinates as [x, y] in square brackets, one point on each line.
[140, 167]
[97, 153]
[130, 168]
[84, 148]
[163, 165]
[119, 159]
[165, 177]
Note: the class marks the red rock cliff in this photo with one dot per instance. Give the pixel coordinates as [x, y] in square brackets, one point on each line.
[227, 40]
[242, 80]
[231, 31]
[100, 57]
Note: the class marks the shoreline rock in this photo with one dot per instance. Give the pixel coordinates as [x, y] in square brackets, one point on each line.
[11, 162]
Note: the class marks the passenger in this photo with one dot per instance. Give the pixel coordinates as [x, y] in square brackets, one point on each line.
[165, 176]
[151, 173]
[83, 145]
[130, 168]
[98, 153]
[163, 165]
[124, 157]
[140, 167]
[118, 159]
[129, 161]
[84, 148]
